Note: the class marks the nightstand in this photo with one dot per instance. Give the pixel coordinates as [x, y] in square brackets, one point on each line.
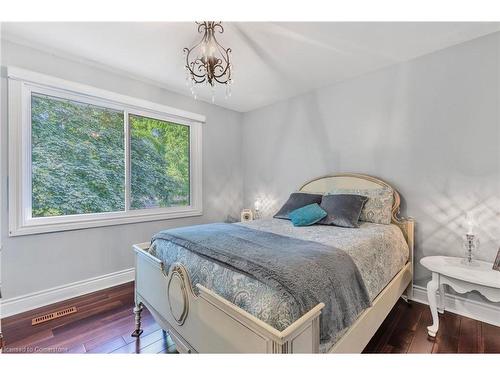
[462, 278]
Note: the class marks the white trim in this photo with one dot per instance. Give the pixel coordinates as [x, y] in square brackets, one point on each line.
[21, 84]
[106, 220]
[484, 312]
[79, 88]
[126, 125]
[27, 302]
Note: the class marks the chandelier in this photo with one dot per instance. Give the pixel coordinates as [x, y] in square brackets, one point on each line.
[208, 61]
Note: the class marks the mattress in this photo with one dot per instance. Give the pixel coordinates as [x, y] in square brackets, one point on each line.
[379, 251]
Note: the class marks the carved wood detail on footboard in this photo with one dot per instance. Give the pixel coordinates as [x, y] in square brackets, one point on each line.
[206, 322]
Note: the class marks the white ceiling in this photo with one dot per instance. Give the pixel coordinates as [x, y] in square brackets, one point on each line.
[272, 61]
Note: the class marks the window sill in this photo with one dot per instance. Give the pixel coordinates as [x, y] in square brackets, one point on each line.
[49, 225]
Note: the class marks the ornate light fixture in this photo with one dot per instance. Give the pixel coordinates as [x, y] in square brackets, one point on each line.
[208, 61]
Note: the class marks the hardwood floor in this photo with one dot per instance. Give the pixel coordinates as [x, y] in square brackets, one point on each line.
[104, 322]
[405, 331]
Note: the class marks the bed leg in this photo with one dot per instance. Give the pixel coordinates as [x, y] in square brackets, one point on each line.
[137, 312]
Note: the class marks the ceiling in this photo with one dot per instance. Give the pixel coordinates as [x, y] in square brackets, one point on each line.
[272, 61]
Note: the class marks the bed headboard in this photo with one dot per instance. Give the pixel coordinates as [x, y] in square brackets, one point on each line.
[325, 184]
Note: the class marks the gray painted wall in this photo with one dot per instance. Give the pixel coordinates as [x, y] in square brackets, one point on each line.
[429, 126]
[38, 262]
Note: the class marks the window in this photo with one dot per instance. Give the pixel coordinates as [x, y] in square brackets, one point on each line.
[159, 158]
[82, 157]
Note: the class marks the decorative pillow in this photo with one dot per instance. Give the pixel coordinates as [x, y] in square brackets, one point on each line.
[378, 207]
[295, 201]
[307, 215]
[343, 209]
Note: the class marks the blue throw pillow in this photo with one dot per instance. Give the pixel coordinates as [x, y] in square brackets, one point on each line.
[307, 215]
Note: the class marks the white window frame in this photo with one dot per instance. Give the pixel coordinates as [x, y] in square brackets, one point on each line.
[21, 83]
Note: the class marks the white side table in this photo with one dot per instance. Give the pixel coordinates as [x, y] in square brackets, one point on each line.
[462, 278]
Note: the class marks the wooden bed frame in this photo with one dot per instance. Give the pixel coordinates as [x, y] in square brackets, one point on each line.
[208, 323]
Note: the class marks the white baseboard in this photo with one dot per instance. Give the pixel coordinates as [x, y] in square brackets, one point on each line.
[481, 311]
[16, 305]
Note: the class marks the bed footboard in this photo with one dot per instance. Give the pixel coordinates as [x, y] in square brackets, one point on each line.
[208, 323]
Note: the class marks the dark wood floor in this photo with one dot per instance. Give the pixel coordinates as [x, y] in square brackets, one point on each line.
[104, 322]
[405, 331]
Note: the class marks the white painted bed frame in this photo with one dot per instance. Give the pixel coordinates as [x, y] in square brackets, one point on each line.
[208, 323]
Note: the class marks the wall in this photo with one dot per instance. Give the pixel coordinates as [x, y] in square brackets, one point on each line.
[429, 126]
[37, 262]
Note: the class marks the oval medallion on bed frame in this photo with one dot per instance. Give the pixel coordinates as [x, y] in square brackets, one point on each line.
[208, 323]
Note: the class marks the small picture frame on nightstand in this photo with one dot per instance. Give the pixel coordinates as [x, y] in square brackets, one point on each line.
[496, 263]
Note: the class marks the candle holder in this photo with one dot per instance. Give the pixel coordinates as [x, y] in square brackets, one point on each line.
[471, 245]
[257, 206]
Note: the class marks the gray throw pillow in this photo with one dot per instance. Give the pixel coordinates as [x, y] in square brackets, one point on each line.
[343, 210]
[378, 207]
[297, 200]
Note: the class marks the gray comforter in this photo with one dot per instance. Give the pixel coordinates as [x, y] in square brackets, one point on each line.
[306, 271]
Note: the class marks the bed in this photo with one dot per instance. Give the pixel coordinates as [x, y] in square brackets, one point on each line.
[207, 307]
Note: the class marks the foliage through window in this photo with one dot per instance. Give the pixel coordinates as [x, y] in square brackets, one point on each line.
[159, 154]
[77, 158]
